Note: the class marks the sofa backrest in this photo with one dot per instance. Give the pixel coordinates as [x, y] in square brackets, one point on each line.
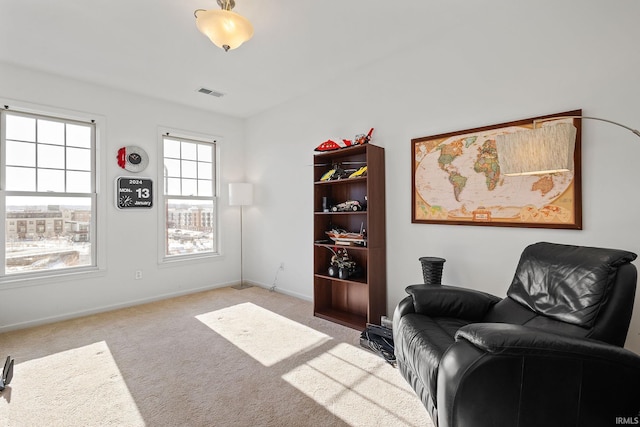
[576, 290]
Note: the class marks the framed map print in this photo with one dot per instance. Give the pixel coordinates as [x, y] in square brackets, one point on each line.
[456, 179]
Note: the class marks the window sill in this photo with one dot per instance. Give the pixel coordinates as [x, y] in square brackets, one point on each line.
[189, 259]
[11, 282]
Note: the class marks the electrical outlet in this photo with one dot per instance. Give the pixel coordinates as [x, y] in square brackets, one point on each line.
[138, 275]
[282, 266]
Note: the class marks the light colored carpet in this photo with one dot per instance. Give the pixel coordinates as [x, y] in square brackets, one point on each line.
[219, 358]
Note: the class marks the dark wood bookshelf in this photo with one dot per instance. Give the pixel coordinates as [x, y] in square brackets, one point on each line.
[356, 301]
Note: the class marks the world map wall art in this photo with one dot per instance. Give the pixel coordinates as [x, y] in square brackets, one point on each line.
[456, 179]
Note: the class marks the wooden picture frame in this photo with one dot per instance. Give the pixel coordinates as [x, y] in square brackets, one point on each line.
[456, 179]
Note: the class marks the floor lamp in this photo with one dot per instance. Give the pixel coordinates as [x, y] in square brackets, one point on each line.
[241, 194]
[546, 149]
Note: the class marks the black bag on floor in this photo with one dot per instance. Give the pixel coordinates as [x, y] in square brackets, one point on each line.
[379, 340]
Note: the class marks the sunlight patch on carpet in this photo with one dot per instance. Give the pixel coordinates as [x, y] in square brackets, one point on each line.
[347, 380]
[264, 335]
[78, 387]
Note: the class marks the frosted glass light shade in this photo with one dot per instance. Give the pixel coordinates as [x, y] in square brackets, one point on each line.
[548, 149]
[240, 194]
[226, 29]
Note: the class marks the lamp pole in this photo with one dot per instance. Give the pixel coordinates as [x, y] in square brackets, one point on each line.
[241, 194]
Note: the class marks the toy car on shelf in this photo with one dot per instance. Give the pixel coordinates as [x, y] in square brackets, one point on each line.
[349, 205]
[342, 267]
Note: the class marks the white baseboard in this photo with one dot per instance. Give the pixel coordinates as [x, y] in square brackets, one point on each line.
[111, 307]
[280, 290]
[105, 308]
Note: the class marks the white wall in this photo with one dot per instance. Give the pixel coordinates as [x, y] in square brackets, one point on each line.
[511, 64]
[130, 236]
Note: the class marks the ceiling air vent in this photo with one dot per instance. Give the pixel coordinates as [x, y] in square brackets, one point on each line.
[211, 92]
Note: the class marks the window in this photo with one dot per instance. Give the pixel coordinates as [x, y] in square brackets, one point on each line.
[47, 194]
[189, 197]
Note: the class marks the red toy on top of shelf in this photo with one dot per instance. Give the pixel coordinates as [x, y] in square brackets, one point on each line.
[330, 145]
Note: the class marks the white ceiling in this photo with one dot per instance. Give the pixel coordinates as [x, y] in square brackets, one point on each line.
[152, 47]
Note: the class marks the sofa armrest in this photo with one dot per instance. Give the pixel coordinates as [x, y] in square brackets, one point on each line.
[405, 306]
[450, 301]
[515, 340]
[501, 374]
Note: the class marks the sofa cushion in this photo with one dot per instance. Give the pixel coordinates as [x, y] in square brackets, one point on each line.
[564, 282]
[509, 311]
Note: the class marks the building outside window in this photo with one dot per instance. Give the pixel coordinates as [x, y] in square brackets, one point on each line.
[189, 197]
[47, 194]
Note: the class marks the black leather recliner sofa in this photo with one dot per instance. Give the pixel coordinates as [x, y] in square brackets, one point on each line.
[549, 354]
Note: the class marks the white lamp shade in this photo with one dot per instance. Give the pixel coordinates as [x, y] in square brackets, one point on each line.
[226, 29]
[548, 149]
[240, 194]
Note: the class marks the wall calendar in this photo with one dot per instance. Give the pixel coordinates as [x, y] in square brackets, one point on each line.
[133, 192]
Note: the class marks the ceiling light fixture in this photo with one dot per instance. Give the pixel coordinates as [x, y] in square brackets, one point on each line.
[226, 29]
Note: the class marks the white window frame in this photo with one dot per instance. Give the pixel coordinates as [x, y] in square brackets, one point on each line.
[97, 227]
[163, 258]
